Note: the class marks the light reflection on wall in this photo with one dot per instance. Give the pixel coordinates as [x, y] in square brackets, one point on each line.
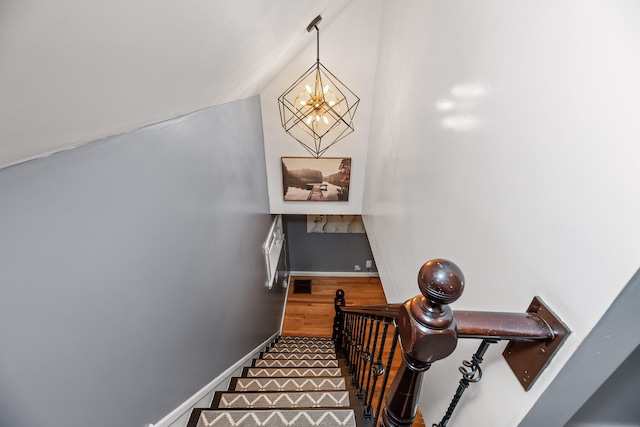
[460, 110]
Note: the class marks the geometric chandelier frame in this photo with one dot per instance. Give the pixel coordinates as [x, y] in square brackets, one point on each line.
[318, 109]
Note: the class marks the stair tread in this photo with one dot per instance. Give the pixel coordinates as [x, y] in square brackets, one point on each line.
[273, 418]
[283, 355]
[289, 383]
[299, 338]
[293, 349]
[293, 372]
[288, 399]
[305, 344]
[296, 363]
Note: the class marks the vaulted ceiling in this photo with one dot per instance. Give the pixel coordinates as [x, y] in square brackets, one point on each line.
[72, 71]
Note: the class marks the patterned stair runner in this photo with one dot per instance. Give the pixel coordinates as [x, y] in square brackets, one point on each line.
[298, 363]
[297, 382]
[297, 355]
[293, 372]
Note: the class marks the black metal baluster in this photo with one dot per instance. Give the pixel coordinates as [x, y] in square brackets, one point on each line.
[471, 373]
[377, 368]
[338, 320]
[366, 358]
[392, 351]
[350, 344]
[357, 349]
[369, 391]
[361, 333]
[345, 337]
[352, 340]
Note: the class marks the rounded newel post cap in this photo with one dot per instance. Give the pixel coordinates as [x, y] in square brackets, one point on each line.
[441, 281]
[340, 293]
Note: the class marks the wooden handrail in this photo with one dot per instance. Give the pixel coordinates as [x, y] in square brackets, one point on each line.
[385, 310]
[479, 324]
[502, 326]
[429, 331]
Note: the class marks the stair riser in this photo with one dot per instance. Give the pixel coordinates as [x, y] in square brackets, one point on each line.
[330, 344]
[290, 349]
[293, 372]
[274, 363]
[288, 384]
[298, 356]
[282, 400]
[303, 339]
[279, 418]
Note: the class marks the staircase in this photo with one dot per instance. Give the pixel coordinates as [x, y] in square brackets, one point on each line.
[297, 381]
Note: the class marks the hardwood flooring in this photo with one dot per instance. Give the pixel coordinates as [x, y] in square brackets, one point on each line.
[312, 314]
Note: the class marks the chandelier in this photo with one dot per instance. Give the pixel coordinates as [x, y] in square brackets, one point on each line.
[317, 110]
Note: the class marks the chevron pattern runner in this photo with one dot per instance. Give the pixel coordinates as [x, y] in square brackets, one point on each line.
[308, 347]
[293, 372]
[297, 363]
[218, 418]
[296, 382]
[313, 356]
[308, 399]
[304, 339]
[288, 384]
[302, 349]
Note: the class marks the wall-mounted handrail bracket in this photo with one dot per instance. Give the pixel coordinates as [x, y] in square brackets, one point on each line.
[527, 360]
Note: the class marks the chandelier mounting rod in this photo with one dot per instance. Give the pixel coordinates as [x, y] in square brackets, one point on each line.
[311, 26]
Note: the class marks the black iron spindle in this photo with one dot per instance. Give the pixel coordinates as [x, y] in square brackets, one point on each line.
[361, 335]
[471, 373]
[354, 346]
[366, 357]
[377, 368]
[345, 337]
[354, 342]
[369, 391]
[352, 319]
[385, 378]
[338, 320]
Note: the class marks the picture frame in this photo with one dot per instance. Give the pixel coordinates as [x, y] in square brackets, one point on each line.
[324, 179]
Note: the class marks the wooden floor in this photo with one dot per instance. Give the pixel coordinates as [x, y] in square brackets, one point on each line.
[312, 314]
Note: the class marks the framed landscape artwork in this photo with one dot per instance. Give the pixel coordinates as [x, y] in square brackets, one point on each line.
[317, 180]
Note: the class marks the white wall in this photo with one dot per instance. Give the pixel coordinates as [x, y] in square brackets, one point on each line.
[505, 137]
[348, 48]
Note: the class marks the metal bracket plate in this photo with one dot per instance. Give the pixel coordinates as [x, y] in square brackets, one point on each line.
[527, 360]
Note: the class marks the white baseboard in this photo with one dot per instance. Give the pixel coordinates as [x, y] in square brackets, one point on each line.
[179, 416]
[335, 273]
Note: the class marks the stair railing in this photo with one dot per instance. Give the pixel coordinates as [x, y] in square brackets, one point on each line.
[428, 331]
[367, 338]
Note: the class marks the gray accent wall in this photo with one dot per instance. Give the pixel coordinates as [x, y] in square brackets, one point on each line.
[331, 252]
[616, 401]
[131, 271]
[599, 384]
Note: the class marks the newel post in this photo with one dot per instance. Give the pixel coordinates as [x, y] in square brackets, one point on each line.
[427, 333]
[338, 320]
